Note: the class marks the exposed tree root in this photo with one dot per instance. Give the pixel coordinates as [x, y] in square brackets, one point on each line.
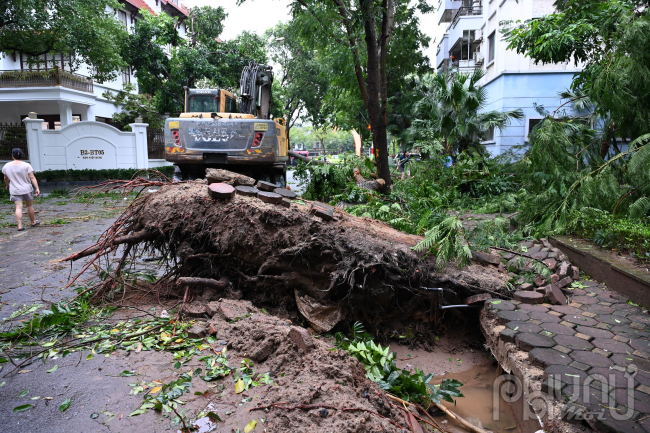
[285, 258]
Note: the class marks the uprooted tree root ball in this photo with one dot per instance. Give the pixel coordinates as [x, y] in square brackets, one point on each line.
[287, 259]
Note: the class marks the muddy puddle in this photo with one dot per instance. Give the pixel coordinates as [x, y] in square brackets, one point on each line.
[457, 358]
[477, 406]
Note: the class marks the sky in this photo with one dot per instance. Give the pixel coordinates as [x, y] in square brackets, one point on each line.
[259, 15]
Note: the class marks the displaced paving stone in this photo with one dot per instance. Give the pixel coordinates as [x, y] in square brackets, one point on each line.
[266, 186]
[246, 191]
[573, 292]
[580, 320]
[508, 335]
[594, 332]
[565, 309]
[286, 203]
[541, 255]
[598, 309]
[486, 258]
[585, 299]
[558, 329]
[550, 262]
[529, 297]
[544, 317]
[322, 210]
[221, 190]
[533, 307]
[269, 197]
[286, 193]
[555, 278]
[539, 281]
[553, 387]
[528, 341]
[573, 272]
[302, 338]
[526, 286]
[590, 358]
[555, 294]
[523, 327]
[545, 357]
[564, 282]
[573, 343]
[562, 349]
[508, 316]
[613, 320]
[564, 269]
[641, 354]
[602, 352]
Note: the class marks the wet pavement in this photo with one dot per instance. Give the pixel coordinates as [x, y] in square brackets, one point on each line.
[594, 352]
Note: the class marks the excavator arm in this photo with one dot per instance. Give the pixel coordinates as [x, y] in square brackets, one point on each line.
[255, 90]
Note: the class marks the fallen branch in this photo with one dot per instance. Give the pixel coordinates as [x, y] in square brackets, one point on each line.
[372, 185]
[433, 422]
[203, 282]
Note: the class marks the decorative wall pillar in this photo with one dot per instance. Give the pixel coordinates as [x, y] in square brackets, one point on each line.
[141, 150]
[34, 129]
[65, 111]
[90, 113]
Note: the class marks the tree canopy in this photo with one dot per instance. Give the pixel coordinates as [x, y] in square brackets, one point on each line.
[609, 40]
[85, 30]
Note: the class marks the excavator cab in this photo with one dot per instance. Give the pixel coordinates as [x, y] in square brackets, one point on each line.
[215, 131]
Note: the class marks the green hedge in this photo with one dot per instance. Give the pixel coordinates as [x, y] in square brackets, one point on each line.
[98, 175]
[621, 234]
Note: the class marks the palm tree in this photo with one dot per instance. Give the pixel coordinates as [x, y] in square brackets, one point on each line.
[452, 108]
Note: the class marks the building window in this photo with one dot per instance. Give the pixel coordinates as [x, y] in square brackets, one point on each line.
[530, 124]
[489, 135]
[491, 43]
[121, 16]
[126, 75]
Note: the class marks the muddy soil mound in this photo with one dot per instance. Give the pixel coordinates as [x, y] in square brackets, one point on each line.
[288, 259]
[315, 387]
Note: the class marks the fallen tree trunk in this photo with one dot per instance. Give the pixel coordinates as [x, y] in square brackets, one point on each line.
[372, 185]
[347, 268]
[306, 158]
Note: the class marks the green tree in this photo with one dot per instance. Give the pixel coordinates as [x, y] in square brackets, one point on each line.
[609, 39]
[452, 109]
[301, 83]
[369, 47]
[85, 30]
[164, 62]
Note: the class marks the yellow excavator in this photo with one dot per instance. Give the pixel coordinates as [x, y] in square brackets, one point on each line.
[213, 132]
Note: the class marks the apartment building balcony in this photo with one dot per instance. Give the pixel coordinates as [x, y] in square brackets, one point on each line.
[447, 9]
[45, 78]
[442, 52]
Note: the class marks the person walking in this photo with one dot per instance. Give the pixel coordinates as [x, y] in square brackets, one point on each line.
[403, 160]
[19, 178]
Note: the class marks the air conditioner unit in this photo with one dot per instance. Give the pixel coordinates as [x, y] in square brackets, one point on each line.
[478, 58]
[478, 35]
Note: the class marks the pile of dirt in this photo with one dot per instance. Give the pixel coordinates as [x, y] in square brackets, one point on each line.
[316, 387]
[289, 260]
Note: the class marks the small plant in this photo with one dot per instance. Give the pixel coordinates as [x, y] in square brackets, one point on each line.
[380, 365]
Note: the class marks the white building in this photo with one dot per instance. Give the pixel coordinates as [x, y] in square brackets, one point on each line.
[60, 95]
[472, 39]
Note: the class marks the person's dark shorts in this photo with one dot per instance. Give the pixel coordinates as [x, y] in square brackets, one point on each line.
[23, 197]
[401, 168]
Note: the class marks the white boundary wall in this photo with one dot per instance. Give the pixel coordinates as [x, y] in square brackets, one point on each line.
[86, 145]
